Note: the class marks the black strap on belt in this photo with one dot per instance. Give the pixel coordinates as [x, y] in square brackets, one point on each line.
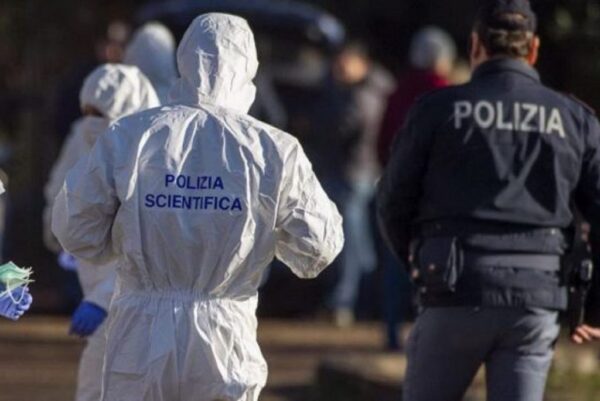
[517, 260]
[459, 228]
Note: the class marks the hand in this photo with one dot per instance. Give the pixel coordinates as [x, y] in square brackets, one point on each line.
[584, 333]
[14, 310]
[67, 261]
[86, 319]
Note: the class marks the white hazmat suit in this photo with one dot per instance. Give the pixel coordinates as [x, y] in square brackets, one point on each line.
[114, 91]
[195, 199]
[152, 50]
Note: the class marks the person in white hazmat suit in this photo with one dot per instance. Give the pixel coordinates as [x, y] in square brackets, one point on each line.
[111, 91]
[195, 199]
[152, 50]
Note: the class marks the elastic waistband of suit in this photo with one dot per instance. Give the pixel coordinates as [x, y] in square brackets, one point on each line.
[176, 295]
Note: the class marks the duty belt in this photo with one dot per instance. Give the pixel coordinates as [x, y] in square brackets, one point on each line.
[452, 228]
[517, 260]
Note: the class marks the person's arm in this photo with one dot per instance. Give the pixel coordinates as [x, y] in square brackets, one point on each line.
[587, 200]
[400, 187]
[92, 311]
[309, 226]
[86, 205]
[104, 287]
[68, 156]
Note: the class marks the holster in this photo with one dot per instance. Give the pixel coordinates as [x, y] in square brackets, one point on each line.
[437, 264]
[579, 284]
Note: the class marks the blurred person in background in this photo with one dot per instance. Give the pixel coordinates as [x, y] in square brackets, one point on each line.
[194, 200]
[480, 195]
[268, 106]
[461, 73]
[431, 55]
[152, 50]
[110, 92]
[108, 48]
[344, 149]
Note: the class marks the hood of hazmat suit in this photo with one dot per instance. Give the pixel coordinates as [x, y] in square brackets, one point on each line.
[117, 90]
[152, 50]
[195, 199]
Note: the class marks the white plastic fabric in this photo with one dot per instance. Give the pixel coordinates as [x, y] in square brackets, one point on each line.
[115, 91]
[89, 375]
[195, 199]
[79, 142]
[152, 50]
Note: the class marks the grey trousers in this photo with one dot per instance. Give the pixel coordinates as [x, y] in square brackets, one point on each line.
[448, 345]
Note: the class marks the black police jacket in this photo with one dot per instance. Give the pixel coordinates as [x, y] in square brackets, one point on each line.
[503, 156]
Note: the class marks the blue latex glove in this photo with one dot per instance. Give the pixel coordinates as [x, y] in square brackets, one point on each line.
[67, 261]
[13, 307]
[86, 319]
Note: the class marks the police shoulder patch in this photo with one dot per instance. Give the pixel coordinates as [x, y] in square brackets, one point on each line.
[582, 103]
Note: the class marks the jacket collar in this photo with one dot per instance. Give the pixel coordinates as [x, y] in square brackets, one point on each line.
[504, 64]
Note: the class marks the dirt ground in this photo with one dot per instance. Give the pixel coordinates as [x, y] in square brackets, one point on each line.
[38, 361]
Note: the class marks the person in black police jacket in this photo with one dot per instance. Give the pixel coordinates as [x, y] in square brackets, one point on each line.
[478, 195]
